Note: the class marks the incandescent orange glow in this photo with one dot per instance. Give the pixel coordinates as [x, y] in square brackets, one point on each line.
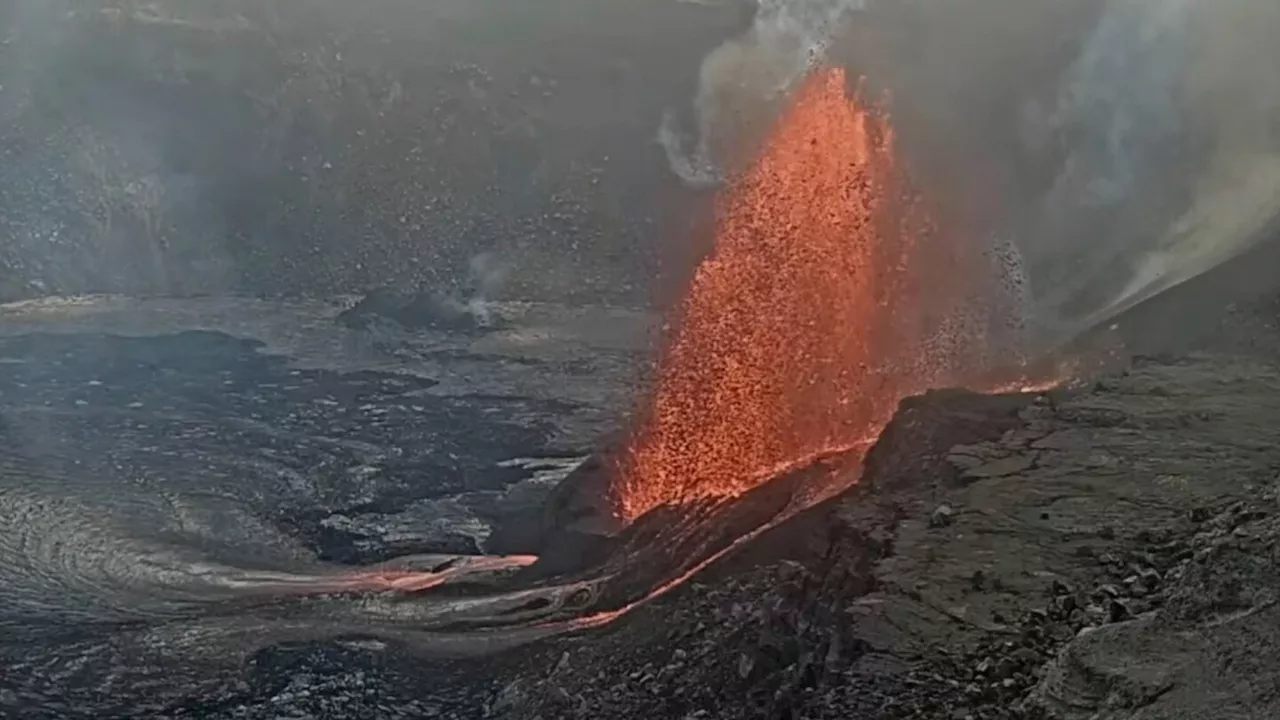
[829, 295]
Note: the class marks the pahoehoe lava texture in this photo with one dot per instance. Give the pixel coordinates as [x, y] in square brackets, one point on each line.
[125, 628]
[178, 500]
[144, 479]
[918, 594]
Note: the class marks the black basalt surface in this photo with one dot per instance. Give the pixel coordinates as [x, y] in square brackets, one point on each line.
[132, 409]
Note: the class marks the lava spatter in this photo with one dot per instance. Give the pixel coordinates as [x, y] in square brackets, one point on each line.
[830, 294]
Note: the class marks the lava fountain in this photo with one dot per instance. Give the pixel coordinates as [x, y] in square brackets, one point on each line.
[830, 294]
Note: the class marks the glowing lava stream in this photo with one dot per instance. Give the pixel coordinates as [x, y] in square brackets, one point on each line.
[829, 296]
[387, 579]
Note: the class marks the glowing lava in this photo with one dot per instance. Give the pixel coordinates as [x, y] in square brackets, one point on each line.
[830, 295]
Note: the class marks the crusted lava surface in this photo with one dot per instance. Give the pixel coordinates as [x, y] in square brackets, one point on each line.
[1101, 554]
[1109, 551]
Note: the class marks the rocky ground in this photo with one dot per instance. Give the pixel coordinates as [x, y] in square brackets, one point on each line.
[332, 425]
[1103, 552]
[1108, 551]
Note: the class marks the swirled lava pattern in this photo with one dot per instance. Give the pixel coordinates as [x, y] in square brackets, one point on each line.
[829, 295]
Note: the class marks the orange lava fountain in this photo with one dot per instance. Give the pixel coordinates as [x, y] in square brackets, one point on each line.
[830, 295]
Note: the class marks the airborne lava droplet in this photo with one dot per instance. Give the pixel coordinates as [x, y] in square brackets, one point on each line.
[830, 295]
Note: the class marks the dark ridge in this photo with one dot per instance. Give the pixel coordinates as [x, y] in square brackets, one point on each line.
[414, 311]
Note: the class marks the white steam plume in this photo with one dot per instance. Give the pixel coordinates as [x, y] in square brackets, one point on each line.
[743, 75]
[1118, 104]
[1232, 100]
[488, 274]
[1174, 164]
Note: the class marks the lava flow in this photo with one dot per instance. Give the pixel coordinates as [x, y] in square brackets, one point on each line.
[830, 295]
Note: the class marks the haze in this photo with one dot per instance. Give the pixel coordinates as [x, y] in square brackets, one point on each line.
[561, 149]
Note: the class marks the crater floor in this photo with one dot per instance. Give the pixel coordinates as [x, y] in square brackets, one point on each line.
[1109, 552]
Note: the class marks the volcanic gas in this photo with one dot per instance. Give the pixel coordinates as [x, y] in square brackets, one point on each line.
[830, 294]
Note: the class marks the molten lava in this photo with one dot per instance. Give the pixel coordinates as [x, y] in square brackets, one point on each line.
[830, 294]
